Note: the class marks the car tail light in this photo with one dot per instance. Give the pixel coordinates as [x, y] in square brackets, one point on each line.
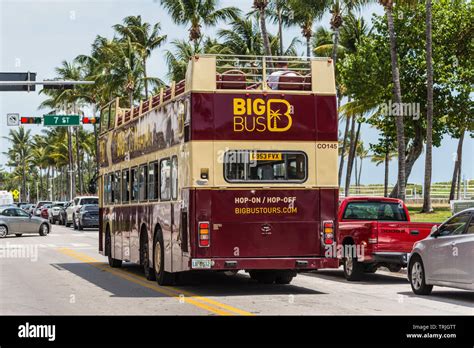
[328, 232]
[373, 237]
[204, 234]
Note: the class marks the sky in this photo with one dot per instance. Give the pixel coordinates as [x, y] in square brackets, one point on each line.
[37, 35]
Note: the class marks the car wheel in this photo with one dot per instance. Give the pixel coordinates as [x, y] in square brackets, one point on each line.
[44, 230]
[162, 277]
[353, 269]
[145, 259]
[114, 263]
[18, 234]
[74, 222]
[79, 226]
[417, 277]
[3, 231]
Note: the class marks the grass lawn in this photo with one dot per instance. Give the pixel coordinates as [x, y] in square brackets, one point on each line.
[440, 214]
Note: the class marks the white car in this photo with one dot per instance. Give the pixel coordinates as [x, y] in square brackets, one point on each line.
[445, 257]
[76, 205]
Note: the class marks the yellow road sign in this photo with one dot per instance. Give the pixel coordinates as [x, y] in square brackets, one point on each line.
[15, 194]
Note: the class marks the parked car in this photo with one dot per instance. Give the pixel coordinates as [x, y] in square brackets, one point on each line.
[380, 230]
[38, 206]
[88, 216]
[27, 207]
[445, 257]
[54, 212]
[63, 213]
[45, 211]
[21, 204]
[14, 220]
[77, 203]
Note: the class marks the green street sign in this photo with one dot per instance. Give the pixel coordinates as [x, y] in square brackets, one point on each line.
[61, 120]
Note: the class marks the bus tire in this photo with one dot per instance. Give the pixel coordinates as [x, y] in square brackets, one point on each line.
[162, 278]
[145, 257]
[114, 263]
[263, 277]
[284, 278]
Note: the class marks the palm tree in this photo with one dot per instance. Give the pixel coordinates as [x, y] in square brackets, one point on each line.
[261, 7]
[399, 189]
[243, 37]
[144, 37]
[385, 158]
[304, 13]
[279, 12]
[197, 12]
[19, 155]
[427, 208]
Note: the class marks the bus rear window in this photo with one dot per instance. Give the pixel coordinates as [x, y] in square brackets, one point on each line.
[265, 166]
[374, 211]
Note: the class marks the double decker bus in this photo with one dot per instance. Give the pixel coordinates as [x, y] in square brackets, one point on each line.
[224, 171]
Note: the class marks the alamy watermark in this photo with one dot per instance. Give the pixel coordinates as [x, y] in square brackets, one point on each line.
[401, 109]
[16, 251]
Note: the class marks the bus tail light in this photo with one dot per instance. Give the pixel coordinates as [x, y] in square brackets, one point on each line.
[328, 232]
[204, 234]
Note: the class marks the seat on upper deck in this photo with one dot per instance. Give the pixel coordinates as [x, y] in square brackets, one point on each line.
[291, 81]
[232, 79]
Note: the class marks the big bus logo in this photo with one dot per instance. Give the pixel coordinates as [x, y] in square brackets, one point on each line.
[258, 115]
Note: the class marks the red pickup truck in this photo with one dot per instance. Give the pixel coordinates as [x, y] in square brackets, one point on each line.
[376, 232]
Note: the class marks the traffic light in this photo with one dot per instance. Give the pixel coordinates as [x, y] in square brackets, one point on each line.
[31, 120]
[90, 120]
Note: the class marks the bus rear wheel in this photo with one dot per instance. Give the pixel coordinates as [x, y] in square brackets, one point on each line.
[114, 263]
[263, 277]
[162, 277]
[145, 258]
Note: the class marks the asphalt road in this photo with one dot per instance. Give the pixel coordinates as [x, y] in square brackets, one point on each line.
[64, 274]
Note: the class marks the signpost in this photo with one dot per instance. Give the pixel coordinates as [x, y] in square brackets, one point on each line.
[18, 82]
[61, 120]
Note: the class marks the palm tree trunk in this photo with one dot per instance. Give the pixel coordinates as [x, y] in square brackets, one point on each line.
[352, 151]
[334, 47]
[71, 182]
[360, 170]
[385, 183]
[78, 161]
[398, 99]
[280, 31]
[145, 78]
[355, 174]
[343, 152]
[308, 46]
[263, 28]
[456, 167]
[429, 115]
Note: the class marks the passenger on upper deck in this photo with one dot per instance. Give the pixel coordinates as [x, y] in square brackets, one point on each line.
[274, 78]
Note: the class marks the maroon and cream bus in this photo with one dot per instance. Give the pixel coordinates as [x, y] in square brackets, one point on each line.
[233, 168]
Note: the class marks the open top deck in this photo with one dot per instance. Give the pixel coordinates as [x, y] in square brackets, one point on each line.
[234, 74]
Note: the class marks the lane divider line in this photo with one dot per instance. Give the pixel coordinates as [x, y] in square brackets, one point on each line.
[186, 296]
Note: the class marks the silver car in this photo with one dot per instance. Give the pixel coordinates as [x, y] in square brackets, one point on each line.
[445, 257]
[16, 221]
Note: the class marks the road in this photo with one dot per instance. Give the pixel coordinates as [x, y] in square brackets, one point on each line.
[64, 274]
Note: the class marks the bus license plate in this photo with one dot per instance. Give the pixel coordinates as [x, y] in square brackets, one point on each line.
[201, 264]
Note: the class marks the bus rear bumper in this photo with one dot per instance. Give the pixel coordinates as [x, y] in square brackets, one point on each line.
[300, 264]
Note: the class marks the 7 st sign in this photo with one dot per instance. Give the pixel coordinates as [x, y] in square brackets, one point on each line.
[61, 120]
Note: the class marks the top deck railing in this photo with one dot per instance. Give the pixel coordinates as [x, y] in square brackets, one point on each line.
[233, 72]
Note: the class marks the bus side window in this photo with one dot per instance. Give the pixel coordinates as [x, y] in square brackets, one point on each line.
[134, 184]
[152, 183]
[142, 183]
[111, 182]
[174, 177]
[125, 186]
[116, 188]
[165, 184]
[106, 188]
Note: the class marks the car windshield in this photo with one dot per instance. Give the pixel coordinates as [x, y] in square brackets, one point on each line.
[91, 208]
[58, 205]
[85, 201]
[387, 211]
